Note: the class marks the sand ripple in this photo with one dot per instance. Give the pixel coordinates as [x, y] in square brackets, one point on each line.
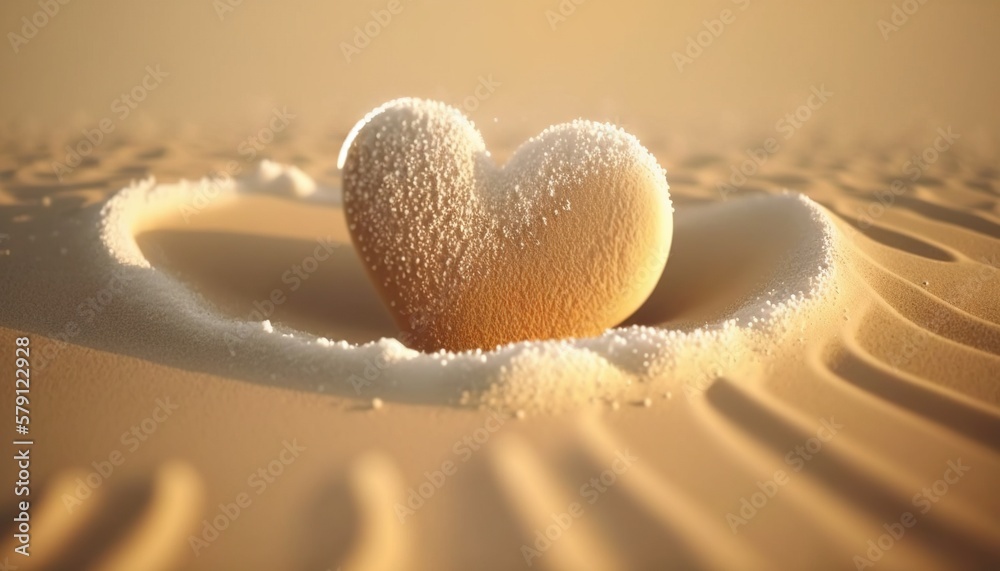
[894, 336]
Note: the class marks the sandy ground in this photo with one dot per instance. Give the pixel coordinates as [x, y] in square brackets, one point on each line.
[842, 442]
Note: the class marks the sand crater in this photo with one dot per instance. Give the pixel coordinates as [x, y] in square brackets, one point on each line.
[271, 283]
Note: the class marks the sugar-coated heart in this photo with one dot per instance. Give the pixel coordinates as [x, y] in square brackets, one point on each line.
[566, 240]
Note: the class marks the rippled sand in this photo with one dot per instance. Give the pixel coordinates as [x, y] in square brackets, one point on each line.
[858, 356]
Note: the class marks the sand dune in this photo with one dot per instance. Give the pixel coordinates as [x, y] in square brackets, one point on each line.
[858, 356]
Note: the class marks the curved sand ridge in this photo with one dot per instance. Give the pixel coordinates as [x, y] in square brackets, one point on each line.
[662, 342]
[900, 348]
[130, 523]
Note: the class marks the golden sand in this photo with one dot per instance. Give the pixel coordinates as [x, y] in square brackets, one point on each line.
[861, 371]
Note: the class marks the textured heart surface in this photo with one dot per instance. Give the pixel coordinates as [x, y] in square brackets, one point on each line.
[566, 240]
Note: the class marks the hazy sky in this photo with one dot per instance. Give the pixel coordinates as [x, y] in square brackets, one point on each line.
[231, 60]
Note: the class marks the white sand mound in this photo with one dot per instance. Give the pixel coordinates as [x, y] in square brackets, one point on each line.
[276, 178]
[623, 365]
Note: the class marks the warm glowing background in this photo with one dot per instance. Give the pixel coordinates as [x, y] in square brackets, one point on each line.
[608, 60]
[890, 325]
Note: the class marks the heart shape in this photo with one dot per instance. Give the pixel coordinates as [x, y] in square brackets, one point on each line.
[566, 240]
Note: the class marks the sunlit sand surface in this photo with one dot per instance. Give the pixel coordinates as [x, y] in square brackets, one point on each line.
[780, 314]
